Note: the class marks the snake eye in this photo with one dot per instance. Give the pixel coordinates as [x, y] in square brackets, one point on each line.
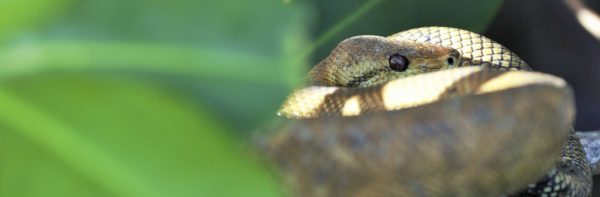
[398, 62]
[450, 60]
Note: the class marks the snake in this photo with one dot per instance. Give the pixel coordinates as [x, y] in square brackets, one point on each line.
[430, 111]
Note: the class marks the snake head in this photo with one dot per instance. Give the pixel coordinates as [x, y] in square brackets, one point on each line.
[363, 61]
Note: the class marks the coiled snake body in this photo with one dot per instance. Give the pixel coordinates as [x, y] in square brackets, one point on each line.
[428, 112]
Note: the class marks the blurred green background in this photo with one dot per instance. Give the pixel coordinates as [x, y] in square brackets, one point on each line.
[159, 98]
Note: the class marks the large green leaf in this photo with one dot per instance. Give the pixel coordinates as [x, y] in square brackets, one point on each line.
[98, 135]
[222, 53]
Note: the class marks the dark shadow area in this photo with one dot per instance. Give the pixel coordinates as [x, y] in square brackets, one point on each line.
[547, 35]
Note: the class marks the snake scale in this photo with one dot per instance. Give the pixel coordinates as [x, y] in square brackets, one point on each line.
[431, 111]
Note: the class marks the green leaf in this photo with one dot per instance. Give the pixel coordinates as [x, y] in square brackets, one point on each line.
[240, 62]
[18, 16]
[98, 135]
[138, 57]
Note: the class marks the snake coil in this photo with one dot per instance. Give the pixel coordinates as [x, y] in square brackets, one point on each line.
[451, 122]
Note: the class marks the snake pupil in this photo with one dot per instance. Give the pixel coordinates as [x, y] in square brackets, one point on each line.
[398, 62]
[450, 61]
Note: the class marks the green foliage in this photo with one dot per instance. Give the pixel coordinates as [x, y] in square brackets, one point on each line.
[98, 135]
[157, 98]
[386, 17]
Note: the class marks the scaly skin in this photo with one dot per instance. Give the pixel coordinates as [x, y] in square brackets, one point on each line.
[460, 132]
[572, 177]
